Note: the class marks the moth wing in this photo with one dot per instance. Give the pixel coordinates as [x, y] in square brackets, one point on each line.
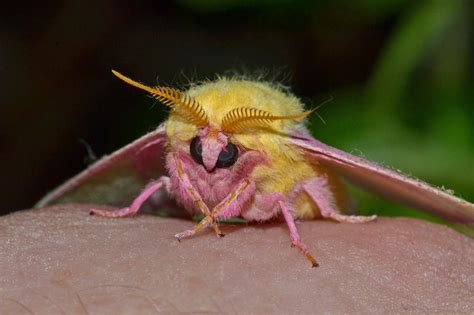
[117, 178]
[387, 182]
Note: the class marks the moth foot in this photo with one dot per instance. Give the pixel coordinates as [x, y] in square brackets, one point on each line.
[352, 218]
[302, 247]
[183, 235]
[204, 223]
[112, 214]
[215, 226]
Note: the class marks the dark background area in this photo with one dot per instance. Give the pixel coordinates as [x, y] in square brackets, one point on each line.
[400, 75]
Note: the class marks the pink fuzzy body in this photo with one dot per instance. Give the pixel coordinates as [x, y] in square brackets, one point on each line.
[212, 187]
[215, 186]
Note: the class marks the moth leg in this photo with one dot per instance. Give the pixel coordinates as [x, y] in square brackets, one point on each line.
[194, 194]
[227, 208]
[149, 190]
[295, 237]
[230, 206]
[317, 188]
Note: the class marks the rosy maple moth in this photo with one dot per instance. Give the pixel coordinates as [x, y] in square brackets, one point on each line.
[239, 148]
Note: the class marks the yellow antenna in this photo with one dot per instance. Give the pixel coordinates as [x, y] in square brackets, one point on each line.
[239, 119]
[183, 105]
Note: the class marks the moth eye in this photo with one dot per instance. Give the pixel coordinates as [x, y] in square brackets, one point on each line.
[196, 150]
[228, 156]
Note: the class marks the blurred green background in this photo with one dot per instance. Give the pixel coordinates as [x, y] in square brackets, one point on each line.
[399, 73]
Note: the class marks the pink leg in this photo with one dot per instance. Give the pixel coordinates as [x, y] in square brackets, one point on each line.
[229, 207]
[295, 237]
[149, 190]
[318, 190]
[175, 167]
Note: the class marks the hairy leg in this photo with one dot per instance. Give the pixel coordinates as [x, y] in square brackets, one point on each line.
[318, 189]
[176, 167]
[294, 236]
[148, 191]
[227, 208]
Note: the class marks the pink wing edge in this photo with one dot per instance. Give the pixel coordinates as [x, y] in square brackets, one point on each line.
[140, 151]
[387, 182]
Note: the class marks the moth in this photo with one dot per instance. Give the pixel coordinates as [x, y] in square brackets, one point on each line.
[239, 148]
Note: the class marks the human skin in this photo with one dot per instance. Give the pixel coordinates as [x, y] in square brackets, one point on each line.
[61, 260]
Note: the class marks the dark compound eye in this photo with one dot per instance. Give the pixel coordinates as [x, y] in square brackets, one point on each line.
[228, 156]
[196, 150]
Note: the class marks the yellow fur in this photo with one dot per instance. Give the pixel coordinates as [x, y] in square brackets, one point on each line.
[287, 165]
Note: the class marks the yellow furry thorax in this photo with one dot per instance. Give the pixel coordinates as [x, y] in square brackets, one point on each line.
[225, 94]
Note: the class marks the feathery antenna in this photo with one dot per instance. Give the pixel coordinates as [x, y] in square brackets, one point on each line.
[182, 104]
[242, 118]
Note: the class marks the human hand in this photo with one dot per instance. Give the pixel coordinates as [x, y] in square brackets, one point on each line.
[61, 260]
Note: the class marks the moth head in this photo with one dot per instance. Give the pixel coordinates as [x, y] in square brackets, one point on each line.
[212, 147]
[215, 120]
